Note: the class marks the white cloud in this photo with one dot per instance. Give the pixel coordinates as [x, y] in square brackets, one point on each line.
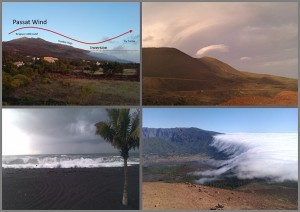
[218, 48]
[257, 155]
[245, 58]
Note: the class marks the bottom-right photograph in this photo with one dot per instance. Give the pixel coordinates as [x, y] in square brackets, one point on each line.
[220, 159]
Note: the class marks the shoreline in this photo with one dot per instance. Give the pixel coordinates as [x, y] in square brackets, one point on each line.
[69, 188]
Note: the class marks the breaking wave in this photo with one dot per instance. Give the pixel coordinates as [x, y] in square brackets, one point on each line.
[65, 161]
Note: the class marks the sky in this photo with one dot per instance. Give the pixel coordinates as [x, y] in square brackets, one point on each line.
[89, 22]
[224, 120]
[52, 131]
[257, 37]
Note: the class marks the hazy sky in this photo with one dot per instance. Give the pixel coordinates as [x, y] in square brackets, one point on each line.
[52, 131]
[89, 22]
[224, 120]
[255, 37]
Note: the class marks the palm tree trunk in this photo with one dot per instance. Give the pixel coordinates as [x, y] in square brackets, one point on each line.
[125, 190]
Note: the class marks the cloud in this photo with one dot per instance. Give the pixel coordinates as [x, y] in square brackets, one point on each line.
[148, 38]
[257, 155]
[218, 48]
[267, 31]
[119, 47]
[51, 131]
[245, 58]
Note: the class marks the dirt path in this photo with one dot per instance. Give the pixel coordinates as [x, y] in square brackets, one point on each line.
[180, 196]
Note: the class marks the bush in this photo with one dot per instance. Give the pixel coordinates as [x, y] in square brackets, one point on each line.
[29, 72]
[23, 79]
[85, 94]
[16, 83]
[112, 68]
[6, 84]
[46, 81]
[63, 82]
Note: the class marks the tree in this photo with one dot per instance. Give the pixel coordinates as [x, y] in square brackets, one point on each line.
[112, 68]
[94, 68]
[122, 131]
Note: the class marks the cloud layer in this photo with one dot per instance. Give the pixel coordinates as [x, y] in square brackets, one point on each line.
[257, 155]
[265, 32]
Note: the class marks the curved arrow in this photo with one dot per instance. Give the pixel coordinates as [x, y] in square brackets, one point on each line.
[103, 41]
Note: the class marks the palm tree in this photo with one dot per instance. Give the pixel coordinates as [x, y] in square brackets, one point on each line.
[122, 131]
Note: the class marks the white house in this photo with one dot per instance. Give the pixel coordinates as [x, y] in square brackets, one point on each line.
[19, 63]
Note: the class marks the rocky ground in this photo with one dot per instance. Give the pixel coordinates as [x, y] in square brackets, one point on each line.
[187, 196]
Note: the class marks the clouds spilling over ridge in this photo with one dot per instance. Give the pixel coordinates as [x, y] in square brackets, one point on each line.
[258, 155]
[264, 32]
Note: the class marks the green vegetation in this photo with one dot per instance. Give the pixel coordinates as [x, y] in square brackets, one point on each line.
[33, 81]
[46, 80]
[85, 94]
[112, 68]
[68, 92]
[230, 183]
[170, 174]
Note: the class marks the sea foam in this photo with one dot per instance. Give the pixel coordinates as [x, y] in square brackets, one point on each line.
[64, 161]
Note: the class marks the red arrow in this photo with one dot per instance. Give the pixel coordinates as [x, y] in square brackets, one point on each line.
[103, 41]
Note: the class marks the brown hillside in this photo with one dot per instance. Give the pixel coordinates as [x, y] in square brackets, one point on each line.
[170, 62]
[38, 47]
[284, 98]
[171, 77]
[220, 68]
[180, 196]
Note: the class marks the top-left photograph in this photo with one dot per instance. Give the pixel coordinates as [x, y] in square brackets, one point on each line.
[70, 53]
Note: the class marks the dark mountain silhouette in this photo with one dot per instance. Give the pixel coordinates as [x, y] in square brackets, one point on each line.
[38, 47]
[172, 63]
[173, 77]
[179, 141]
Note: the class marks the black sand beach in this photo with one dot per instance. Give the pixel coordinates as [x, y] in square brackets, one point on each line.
[75, 188]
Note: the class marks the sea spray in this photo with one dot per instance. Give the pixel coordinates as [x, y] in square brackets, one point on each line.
[66, 161]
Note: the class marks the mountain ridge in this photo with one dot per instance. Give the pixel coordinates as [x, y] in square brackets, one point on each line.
[39, 47]
[179, 141]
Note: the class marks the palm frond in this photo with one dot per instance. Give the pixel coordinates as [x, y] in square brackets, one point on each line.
[121, 130]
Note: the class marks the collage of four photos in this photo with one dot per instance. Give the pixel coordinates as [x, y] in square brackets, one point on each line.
[150, 106]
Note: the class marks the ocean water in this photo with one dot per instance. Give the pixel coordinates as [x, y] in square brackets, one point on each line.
[67, 161]
[272, 156]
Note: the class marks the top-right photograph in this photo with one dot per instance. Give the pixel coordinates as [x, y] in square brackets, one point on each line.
[220, 53]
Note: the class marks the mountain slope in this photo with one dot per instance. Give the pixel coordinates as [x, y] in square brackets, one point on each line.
[171, 77]
[106, 57]
[38, 47]
[170, 62]
[220, 68]
[178, 141]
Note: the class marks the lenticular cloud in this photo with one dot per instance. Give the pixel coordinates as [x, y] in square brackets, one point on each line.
[258, 155]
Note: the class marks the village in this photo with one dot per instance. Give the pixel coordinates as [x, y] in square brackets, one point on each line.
[54, 80]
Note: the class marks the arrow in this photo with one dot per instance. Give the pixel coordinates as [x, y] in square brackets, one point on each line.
[103, 41]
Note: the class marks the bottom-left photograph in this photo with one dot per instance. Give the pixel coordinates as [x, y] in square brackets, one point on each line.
[70, 158]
